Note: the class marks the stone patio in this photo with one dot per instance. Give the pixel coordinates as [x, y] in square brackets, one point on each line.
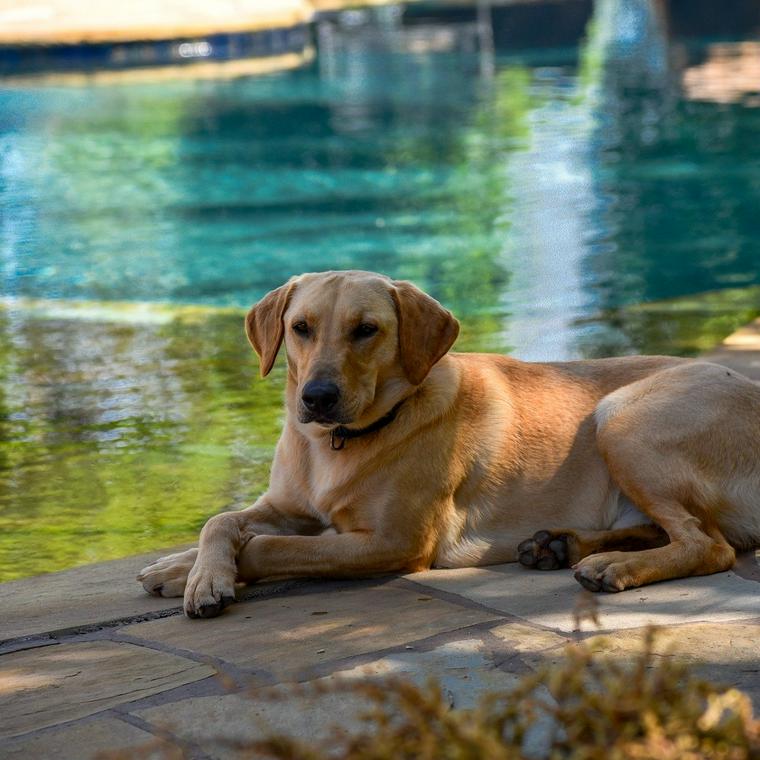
[90, 663]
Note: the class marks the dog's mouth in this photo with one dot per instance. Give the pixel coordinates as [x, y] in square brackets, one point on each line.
[326, 422]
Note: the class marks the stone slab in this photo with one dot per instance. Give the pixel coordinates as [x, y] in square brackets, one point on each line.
[78, 741]
[216, 723]
[746, 362]
[49, 685]
[527, 640]
[550, 598]
[317, 710]
[79, 597]
[465, 668]
[727, 654]
[746, 338]
[740, 351]
[291, 634]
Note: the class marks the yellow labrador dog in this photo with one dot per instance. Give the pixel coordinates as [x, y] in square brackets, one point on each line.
[399, 456]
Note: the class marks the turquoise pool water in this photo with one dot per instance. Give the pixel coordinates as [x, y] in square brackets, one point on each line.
[564, 202]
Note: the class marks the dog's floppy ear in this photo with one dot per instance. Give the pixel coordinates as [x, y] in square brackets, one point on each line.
[264, 326]
[426, 331]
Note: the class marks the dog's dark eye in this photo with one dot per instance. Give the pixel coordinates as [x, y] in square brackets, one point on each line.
[364, 330]
[301, 328]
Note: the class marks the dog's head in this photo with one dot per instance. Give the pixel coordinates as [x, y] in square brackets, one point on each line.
[355, 341]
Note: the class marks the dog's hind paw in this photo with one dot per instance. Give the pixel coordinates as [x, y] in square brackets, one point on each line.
[545, 551]
[610, 572]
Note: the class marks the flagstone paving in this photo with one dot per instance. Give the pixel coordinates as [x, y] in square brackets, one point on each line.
[74, 741]
[291, 636]
[75, 598]
[548, 598]
[89, 663]
[55, 684]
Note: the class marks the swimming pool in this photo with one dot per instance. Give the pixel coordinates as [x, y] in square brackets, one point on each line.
[589, 199]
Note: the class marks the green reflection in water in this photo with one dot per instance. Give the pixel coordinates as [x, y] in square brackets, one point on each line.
[126, 426]
[685, 326]
[121, 436]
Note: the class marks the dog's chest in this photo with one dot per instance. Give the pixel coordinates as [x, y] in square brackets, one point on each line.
[332, 487]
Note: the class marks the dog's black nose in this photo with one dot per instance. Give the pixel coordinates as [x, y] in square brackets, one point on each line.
[320, 396]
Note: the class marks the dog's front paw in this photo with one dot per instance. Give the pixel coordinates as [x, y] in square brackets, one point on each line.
[209, 590]
[610, 571]
[167, 576]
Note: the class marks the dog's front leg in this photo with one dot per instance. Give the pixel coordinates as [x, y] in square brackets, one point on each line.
[339, 555]
[211, 581]
[221, 539]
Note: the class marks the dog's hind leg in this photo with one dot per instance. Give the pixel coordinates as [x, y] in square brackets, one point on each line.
[553, 549]
[668, 448]
[694, 549]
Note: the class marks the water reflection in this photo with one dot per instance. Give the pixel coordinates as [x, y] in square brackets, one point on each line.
[564, 201]
[729, 73]
[675, 179]
[124, 434]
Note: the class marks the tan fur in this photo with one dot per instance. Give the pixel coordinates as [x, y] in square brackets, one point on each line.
[485, 450]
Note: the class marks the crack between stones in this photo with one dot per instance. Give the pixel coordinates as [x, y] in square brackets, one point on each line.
[190, 750]
[45, 638]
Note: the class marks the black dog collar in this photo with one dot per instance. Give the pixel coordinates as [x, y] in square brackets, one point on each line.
[340, 434]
